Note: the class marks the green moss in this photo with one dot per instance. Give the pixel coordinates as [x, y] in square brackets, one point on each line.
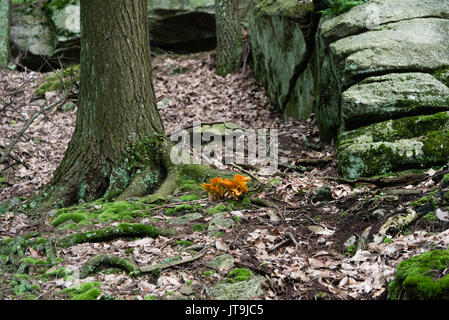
[117, 211]
[285, 8]
[183, 208]
[199, 227]
[81, 288]
[190, 197]
[420, 277]
[169, 211]
[239, 274]
[428, 201]
[442, 75]
[184, 243]
[430, 217]
[76, 217]
[190, 185]
[208, 273]
[100, 260]
[410, 142]
[110, 233]
[218, 208]
[60, 81]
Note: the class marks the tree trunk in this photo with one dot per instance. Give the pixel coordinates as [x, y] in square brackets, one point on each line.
[229, 36]
[118, 144]
[4, 32]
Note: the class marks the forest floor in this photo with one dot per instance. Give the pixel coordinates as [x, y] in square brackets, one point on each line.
[296, 247]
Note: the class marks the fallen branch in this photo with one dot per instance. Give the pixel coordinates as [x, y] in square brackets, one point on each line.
[382, 182]
[163, 266]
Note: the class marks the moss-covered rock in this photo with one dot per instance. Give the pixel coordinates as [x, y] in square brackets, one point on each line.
[422, 277]
[60, 81]
[410, 142]
[280, 31]
[242, 290]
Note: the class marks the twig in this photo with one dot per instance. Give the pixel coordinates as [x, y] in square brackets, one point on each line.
[382, 182]
[162, 266]
[289, 234]
[28, 123]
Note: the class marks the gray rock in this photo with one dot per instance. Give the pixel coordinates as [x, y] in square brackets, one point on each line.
[391, 96]
[244, 290]
[68, 106]
[378, 214]
[219, 220]
[393, 145]
[186, 218]
[223, 262]
[380, 12]
[352, 241]
[280, 53]
[395, 47]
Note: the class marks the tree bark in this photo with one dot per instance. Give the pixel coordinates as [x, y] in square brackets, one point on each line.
[4, 32]
[118, 143]
[229, 36]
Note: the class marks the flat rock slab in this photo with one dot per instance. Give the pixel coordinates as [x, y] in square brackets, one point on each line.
[392, 96]
[417, 44]
[380, 12]
[186, 218]
[394, 145]
[244, 290]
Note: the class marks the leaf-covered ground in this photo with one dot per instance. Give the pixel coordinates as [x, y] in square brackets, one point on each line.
[295, 249]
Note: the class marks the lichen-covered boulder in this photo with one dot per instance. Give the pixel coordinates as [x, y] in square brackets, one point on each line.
[422, 277]
[384, 60]
[394, 145]
[392, 95]
[243, 290]
[280, 43]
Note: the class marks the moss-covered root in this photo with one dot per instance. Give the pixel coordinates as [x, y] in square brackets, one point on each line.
[111, 233]
[107, 260]
[173, 179]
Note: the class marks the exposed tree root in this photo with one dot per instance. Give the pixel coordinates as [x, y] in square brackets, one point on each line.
[110, 233]
[130, 267]
[106, 260]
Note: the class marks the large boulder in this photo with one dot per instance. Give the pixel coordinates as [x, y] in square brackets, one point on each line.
[52, 32]
[382, 67]
[182, 23]
[43, 36]
[281, 37]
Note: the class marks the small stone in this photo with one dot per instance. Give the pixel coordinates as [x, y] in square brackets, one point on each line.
[352, 241]
[68, 106]
[378, 214]
[186, 218]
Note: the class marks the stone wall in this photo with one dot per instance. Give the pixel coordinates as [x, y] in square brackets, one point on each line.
[377, 78]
